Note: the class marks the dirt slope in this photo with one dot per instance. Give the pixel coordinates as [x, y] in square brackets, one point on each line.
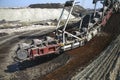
[80, 57]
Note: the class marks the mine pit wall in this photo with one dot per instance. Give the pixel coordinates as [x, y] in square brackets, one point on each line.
[31, 14]
[113, 26]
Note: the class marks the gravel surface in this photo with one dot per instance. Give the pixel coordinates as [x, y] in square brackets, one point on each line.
[24, 29]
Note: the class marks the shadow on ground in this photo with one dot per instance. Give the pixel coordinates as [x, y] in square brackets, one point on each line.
[18, 66]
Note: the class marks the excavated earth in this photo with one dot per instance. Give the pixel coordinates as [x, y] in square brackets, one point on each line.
[55, 67]
[81, 57]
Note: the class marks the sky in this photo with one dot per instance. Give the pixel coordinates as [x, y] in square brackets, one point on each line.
[25, 3]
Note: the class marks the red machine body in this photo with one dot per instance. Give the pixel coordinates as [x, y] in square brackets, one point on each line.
[40, 51]
[104, 21]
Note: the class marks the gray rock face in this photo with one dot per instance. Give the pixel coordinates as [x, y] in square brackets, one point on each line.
[48, 5]
[31, 14]
[76, 11]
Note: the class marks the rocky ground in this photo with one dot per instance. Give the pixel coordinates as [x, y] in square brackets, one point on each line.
[56, 67]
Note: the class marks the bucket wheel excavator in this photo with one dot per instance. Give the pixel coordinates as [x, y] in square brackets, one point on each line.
[62, 40]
